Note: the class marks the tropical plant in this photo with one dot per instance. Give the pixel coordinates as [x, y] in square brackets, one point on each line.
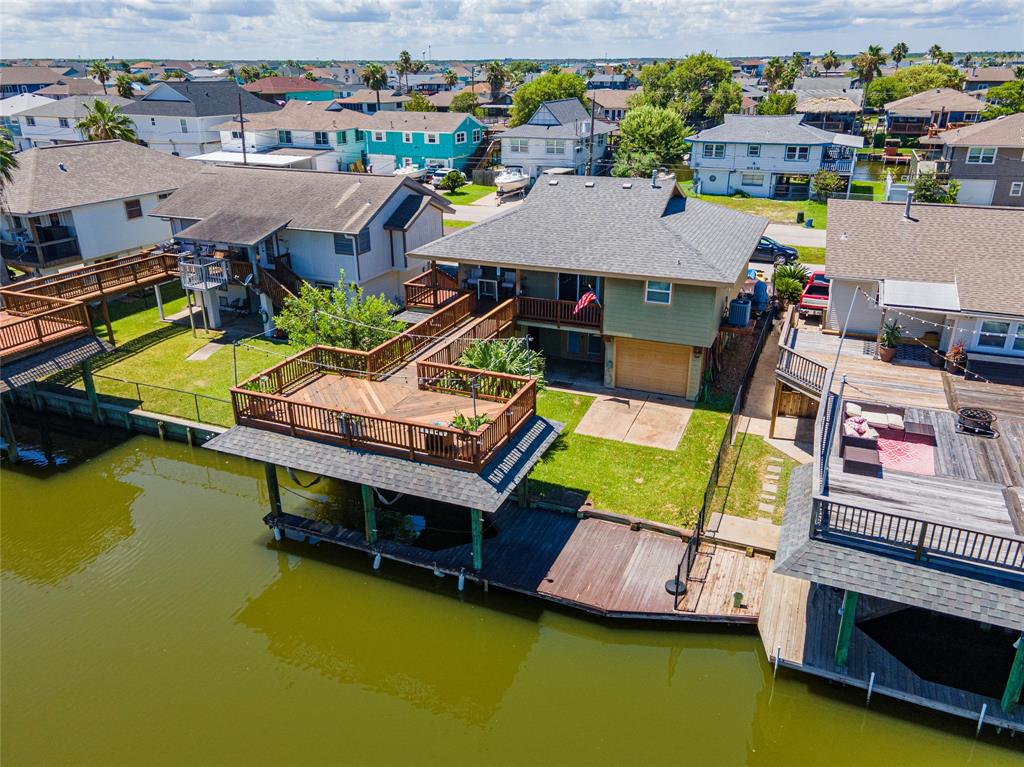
[419, 103]
[104, 121]
[249, 73]
[8, 161]
[548, 87]
[1018, 71]
[403, 67]
[899, 52]
[495, 74]
[906, 82]
[775, 74]
[825, 183]
[966, 60]
[831, 61]
[869, 64]
[788, 289]
[341, 316]
[375, 77]
[123, 85]
[1005, 99]
[935, 53]
[450, 78]
[124, 66]
[795, 271]
[929, 188]
[588, 73]
[453, 180]
[511, 356]
[142, 78]
[777, 104]
[699, 87]
[310, 76]
[101, 73]
[891, 334]
[469, 423]
[466, 103]
[650, 137]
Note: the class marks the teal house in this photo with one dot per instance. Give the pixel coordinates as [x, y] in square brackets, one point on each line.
[398, 139]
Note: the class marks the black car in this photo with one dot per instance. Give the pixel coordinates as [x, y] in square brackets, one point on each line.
[768, 251]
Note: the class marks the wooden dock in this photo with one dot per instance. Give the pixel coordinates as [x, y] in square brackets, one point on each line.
[603, 567]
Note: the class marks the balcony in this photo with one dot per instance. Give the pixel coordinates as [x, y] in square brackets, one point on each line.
[43, 252]
[430, 290]
[560, 313]
[838, 165]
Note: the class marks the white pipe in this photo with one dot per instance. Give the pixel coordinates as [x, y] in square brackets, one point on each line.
[376, 561]
[778, 652]
[277, 534]
[981, 719]
[462, 580]
[871, 686]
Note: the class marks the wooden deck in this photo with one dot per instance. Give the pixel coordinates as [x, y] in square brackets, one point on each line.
[1003, 400]
[21, 336]
[603, 567]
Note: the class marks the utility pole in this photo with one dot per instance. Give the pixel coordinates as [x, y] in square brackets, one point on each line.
[241, 127]
[590, 159]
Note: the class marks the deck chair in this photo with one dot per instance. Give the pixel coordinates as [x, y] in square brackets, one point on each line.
[474, 277]
[508, 281]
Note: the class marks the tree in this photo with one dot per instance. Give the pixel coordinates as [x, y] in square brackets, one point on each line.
[517, 70]
[450, 78]
[249, 73]
[869, 64]
[310, 76]
[650, 137]
[141, 78]
[466, 103]
[899, 52]
[8, 161]
[911, 80]
[340, 316]
[966, 60]
[825, 182]
[403, 67]
[103, 121]
[831, 61]
[726, 98]
[125, 66]
[496, 75]
[1018, 72]
[452, 180]
[588, 73]
[935, 53]
[101, 72]
[1005, 99]
[775, 74]
[699, 87]
[928, 188]
[375, 77]
[419, 103]
[777, 104]
[547, 87]
[123, 86]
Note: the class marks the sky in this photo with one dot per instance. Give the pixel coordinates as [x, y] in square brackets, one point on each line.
[479, 29]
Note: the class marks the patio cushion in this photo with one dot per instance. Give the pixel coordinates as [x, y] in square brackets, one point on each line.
[852, 408]
[876, 419]
[895, 422]
[870, 433]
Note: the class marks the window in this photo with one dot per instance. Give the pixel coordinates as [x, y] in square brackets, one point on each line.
[364, 241]
[460, 137]
[343, 245]
[237, 134]
[1016, 188]
[406, 162]
[797, 153]
[184, 125]
[63, 122]
[30, 121]
[341, 137]
[406, 138]
[752, 179]
[284, 137]
[378, 135]
[977, 155]
[714, 150]
[163, 195]
[658, 293]
[753, 150]
[519, 145]
[993, 334]
[1018, 338]
[320, 138]
[476, 135]
[133, 208]
[554, 146]
[432, 138]
[359, 135]
[152, 121]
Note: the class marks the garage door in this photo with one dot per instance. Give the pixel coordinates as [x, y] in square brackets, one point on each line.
[976, 192]
[652, 366]
[383, 164]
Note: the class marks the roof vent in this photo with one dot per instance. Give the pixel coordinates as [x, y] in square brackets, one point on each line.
[627, 185]
[553, 182]
[62, 167]
[589, 185]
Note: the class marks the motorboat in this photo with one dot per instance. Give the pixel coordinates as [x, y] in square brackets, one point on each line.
[511, 179]
[414, 172]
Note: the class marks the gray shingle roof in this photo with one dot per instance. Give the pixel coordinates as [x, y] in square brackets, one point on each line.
[236, 227]
[441, 122]
[205, 99]
[573, 122]
[406, 211]
[924, 103]
[1006, 131]
[72, 106]
[485, 491]
[890, 578]
[298, 115]
[311, 200]
[608, 229]
[765, 129]
[95, 171]
[27, 75]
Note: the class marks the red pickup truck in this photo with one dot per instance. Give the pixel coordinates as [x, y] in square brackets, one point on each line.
[815, 295]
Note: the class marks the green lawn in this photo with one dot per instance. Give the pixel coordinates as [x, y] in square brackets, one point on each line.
[469, 193]
[874, 188]
[661, 485]
[810, 255]
[776, 211]
[452, 224]
[742, 474]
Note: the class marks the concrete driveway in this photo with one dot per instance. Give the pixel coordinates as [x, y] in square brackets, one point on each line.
[651, 420]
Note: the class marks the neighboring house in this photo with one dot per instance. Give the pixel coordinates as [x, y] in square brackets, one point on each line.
[316, 223]
[988, 77]
[54, 123]
[73, 86]
[365, 101]
[77, 203]
[301, 135]
[15, 80]
[663, 267]
[880, 258]
[13, 106]
[427, 83]
[932, 109]
[398, 139]
[202, 74]
[612, 104]
[768, 156]
[612, 81]
[987, 158]
[274, 89]
[830, 113]
[557, 135]
[180, 118]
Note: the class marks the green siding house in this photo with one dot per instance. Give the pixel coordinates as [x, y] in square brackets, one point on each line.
[397, 139]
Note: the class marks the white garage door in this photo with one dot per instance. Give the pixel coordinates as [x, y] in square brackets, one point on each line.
[383, 164]
[976, 192]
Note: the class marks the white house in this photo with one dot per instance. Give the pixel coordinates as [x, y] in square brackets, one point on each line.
[75, 203]
[557, 135]
[768, 156]
[54, 123]
[13, 106]
[180, 118]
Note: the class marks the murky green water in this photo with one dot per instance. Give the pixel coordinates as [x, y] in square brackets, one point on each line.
[147, 620]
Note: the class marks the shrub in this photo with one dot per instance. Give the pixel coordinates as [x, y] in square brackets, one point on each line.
[825, 182]
[452, 181]
[892, 334]
[795, 271]
[789, 289]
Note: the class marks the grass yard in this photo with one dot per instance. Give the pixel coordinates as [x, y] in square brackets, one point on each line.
[776, 211]
[452, 224]
[468, 194]
[662, 485]
[744, 472]
[876, 189]
[810, 255]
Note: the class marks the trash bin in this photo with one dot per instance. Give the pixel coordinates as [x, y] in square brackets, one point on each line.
[799, 216]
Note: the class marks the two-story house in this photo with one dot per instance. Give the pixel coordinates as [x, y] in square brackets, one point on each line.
[15, 80]
[10, 108]
[611, 103]
[366, 101]
[768, 156]
[72, 86]
[300, 135]
[558, 135]
[932, 109]
[663, 268]
[983, 78]
[76, 203]
[423, 139]
[986, 158]
[180, 118]
[56, 122]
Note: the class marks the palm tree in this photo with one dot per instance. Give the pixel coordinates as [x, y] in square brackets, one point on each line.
[403, 66]
[104, 121]
[450, 78]
[249, 74]
[967, 59]
[774, 73]
[8, 161]
[123, 85]
[101, 72]
[830, 61]
[869, 64]
[588, 74]
[899, 52]
[935, 53]
[496, 75]
[310, 76]
[375, 77]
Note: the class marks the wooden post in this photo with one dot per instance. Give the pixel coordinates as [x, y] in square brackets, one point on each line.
[369, 514]
[90, 390]
[775, 408]
[106, 319]
[8, 433]
[159, 301]
[476, 522]
[1015, 682]
[273, 489]
[846, 623]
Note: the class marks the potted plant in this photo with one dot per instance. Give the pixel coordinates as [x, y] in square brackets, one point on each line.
[956, 358]
[889, 339]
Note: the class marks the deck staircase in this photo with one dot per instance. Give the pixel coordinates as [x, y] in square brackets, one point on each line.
[485, 150]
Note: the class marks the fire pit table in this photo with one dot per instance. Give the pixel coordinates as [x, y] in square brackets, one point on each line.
[976, 420]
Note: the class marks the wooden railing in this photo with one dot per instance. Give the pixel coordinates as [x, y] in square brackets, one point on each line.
[284, 274]
[793, 367]
[430, 290]
[270, 285]
[95, 281]
[491, 325]
[43, 320]
[560, 313]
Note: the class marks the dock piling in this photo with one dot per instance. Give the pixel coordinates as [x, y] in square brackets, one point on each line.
[273, 489]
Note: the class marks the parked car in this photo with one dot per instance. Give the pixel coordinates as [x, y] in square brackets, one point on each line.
[769, 251]
[815, 295]
[437, 176]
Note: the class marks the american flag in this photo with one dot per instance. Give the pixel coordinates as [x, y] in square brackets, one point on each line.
[590, 297]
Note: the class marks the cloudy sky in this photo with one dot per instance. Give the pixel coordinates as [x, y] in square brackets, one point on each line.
[364, 29]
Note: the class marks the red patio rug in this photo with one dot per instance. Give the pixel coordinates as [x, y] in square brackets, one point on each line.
[912, 457]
